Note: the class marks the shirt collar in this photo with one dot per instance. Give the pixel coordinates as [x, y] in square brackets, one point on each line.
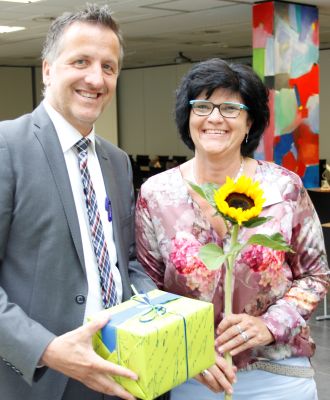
[67, 134]
[271, 194]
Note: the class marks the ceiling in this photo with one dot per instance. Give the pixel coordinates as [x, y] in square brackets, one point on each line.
[155, 31]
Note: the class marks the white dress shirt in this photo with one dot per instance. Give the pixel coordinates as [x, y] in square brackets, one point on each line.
[68, 137]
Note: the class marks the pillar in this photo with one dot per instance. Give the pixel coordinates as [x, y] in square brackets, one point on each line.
[286, 57]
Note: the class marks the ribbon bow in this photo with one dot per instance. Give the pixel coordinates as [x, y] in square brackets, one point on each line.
[154, 309]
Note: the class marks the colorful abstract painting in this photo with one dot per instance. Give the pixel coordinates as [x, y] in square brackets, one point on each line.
[286, 57]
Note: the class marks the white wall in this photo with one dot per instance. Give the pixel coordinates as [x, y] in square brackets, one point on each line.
[145, 123]
[146, 100]
[16, 92]
[38, 85]
[106, 125]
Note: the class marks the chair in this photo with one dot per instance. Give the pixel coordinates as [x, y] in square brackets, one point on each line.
[142, 160]
[163, 160]
[180, 159]
[142, 171]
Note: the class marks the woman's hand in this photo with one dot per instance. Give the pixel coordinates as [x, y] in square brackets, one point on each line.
[219, 377]
[239, 332]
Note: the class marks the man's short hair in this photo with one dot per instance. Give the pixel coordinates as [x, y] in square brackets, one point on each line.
[92, 14]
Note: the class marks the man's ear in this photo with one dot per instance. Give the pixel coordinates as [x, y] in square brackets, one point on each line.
[46, 72]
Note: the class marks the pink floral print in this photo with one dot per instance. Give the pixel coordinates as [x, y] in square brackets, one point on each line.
[281, 288]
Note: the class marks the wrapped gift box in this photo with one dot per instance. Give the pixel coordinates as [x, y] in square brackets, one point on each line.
[164, 338]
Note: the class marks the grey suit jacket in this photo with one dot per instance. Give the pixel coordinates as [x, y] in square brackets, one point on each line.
[43, 283]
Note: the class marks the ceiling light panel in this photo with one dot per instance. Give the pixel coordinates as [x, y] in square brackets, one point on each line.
[20, 1]
[9, 29]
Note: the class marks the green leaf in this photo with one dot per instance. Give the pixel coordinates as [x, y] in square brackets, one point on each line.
[209, 189]
[198, 189]
[253, 222]
[236, 249]
[228, 218]
[212, 256]
[206, 191]
[275, 241]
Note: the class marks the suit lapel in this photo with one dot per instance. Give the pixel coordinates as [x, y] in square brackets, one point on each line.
[46, 134]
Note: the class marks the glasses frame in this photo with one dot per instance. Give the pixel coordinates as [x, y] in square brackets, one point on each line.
[241, 107]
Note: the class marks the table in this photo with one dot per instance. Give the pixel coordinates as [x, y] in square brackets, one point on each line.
[320, 189]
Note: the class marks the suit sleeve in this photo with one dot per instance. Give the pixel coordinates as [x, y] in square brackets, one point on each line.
[22, 340]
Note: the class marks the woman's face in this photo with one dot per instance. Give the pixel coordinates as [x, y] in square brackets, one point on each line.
[216, 135]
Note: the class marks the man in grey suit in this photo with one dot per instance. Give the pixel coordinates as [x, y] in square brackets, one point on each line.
[49, 274]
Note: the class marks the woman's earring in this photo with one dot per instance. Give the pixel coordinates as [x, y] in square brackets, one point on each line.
[247, 137]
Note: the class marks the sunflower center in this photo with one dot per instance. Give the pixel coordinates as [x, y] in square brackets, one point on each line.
[239, 200]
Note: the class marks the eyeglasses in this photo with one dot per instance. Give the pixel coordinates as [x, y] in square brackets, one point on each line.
[227, 109]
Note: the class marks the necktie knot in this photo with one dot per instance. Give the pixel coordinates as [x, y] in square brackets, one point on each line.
[82, 144]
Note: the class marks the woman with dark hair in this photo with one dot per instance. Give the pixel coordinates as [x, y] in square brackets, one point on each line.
[237, 79]
[221, 114]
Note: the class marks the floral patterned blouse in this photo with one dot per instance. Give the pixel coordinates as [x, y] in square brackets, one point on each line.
[283, 288]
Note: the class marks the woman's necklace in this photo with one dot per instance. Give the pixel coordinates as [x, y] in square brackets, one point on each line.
[238, 175]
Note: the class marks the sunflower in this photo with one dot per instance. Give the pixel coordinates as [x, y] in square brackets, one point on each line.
[239, 201]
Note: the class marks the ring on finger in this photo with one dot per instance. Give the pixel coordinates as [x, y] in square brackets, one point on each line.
[204, 373]
[240, 330]
[245, 336]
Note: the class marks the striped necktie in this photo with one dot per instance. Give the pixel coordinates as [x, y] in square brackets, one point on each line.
[108, 288]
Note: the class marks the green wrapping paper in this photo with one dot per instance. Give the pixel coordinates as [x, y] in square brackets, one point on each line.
[164, 338]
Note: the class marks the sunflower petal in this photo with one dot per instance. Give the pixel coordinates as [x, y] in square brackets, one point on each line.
[252, 199]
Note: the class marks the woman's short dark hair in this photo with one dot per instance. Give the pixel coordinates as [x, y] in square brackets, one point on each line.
[92, 14]
[236, 78]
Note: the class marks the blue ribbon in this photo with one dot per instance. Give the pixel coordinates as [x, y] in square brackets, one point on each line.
[144, 306]
[149, 309]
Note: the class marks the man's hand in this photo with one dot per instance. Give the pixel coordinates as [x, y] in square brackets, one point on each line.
[72, 354]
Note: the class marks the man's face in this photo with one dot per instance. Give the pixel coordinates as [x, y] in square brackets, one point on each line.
[82, 78]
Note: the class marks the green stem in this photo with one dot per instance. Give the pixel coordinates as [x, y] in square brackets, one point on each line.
[228, 289]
